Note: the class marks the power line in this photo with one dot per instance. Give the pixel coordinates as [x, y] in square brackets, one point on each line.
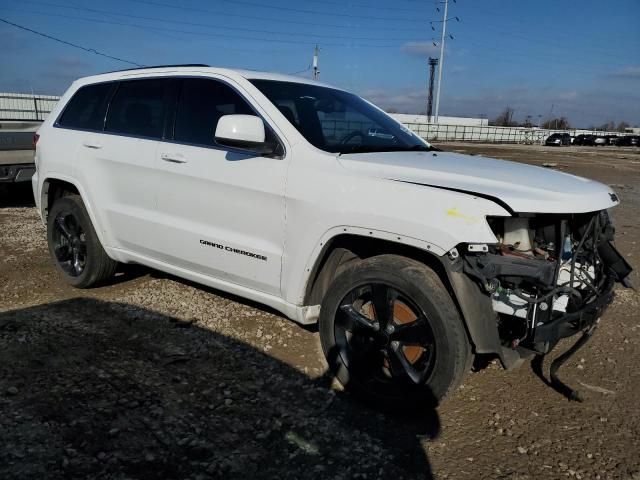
[586, 53]
[209, 25]
[211, 34]
[316, 12]
[300, 71]
[263, 18]
[512, 57]
[369, 7]
[586, 43]
[86, 49]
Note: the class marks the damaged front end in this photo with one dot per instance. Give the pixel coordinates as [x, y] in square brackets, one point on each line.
[549, 276]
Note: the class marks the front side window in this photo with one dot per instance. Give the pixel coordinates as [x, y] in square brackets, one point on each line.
[87, 108]
[138, 108]
[337, 121]
[200, 105]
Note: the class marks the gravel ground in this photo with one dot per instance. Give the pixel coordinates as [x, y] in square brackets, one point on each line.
[155, 377]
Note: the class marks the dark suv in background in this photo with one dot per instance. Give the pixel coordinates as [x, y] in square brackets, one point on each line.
[628, 141]
[558, 139]
[586, 140]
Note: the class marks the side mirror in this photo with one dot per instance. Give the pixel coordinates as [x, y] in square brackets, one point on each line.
[245, 132]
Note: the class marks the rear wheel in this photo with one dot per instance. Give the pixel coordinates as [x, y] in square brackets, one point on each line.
[392, 334]
[74, 245]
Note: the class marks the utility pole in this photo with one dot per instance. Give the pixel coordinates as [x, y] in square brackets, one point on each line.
[316, 72]
[432, 67]
[444, 31]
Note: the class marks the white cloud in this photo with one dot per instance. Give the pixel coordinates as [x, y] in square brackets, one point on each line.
[421, 49]
[583, 108]
[632, 72]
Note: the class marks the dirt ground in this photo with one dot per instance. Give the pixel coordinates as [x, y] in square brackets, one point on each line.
[153, 377]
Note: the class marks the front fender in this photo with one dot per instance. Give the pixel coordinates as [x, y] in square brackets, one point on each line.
[433, 220]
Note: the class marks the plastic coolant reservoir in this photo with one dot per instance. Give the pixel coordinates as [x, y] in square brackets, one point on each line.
[516, 231]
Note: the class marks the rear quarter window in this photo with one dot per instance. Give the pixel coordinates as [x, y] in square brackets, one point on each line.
[87, 108]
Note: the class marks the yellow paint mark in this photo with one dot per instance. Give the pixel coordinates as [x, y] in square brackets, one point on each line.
[453, 212]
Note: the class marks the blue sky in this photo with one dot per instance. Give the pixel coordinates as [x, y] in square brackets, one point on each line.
[580, 59]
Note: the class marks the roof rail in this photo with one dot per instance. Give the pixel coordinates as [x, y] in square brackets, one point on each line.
[161, 66]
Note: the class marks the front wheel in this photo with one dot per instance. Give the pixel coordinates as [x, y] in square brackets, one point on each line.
[74, 245]
[392, 334]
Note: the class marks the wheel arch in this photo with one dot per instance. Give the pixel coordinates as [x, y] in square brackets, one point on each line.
[54, 188]
[341, 249]
[473, 305]
[57, 186]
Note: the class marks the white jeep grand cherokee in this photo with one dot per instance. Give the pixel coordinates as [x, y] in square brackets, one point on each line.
[313, 201]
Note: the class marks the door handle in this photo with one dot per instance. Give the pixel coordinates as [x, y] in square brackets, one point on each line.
[176, 158]
[93, 145]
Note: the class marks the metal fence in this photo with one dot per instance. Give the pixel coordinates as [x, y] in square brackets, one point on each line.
[20, 106]
[334, 130]
[489, 134]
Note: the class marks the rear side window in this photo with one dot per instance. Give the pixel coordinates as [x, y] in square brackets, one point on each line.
[201, 104]
[87, 108]
[138, 108]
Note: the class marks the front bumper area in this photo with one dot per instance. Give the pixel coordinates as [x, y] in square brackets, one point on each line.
[572, 323]
[555, 281]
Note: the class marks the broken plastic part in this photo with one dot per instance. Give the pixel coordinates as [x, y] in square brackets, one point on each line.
[556, 383]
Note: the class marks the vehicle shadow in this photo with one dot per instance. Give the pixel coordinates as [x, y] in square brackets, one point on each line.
[16, 195]
[93, 389]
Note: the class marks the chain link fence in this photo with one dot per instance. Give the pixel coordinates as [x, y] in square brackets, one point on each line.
[435, 132]
[20, 106]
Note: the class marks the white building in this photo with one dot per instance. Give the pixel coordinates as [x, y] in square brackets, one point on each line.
[423, 119]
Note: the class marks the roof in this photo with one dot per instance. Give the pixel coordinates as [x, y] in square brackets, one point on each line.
[198, 68]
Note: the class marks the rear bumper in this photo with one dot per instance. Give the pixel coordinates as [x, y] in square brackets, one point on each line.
[17, 173]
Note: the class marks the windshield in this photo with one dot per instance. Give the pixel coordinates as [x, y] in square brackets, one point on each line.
[338, 122]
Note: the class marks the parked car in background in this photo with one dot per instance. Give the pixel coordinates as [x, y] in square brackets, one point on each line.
[583, 139]
[612, 139]
[558, 139]
[600, 140]
[628, 141]
[17, 150]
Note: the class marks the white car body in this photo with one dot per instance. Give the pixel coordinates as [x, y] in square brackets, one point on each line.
[256, 226]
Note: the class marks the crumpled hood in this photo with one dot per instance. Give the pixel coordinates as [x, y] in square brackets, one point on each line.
[524, 188]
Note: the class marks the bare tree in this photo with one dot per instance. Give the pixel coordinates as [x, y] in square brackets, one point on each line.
[622, 126]
[609, 126]
[561, 123]
[505, 118]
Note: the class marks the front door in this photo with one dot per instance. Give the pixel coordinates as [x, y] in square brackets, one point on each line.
[221, 211]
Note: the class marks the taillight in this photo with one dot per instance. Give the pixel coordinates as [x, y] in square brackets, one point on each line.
[36, 137]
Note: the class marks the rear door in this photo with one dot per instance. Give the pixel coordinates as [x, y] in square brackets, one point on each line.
[221, 210]
[119, 164]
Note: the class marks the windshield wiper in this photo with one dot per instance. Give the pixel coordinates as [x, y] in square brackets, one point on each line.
[394, 148]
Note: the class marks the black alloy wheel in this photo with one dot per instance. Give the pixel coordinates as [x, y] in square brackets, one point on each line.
[69, 244]
[384, 336]
[391, 333]
[75, 246]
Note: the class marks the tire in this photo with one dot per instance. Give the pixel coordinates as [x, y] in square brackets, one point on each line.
[74, 245]
[414, 364]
